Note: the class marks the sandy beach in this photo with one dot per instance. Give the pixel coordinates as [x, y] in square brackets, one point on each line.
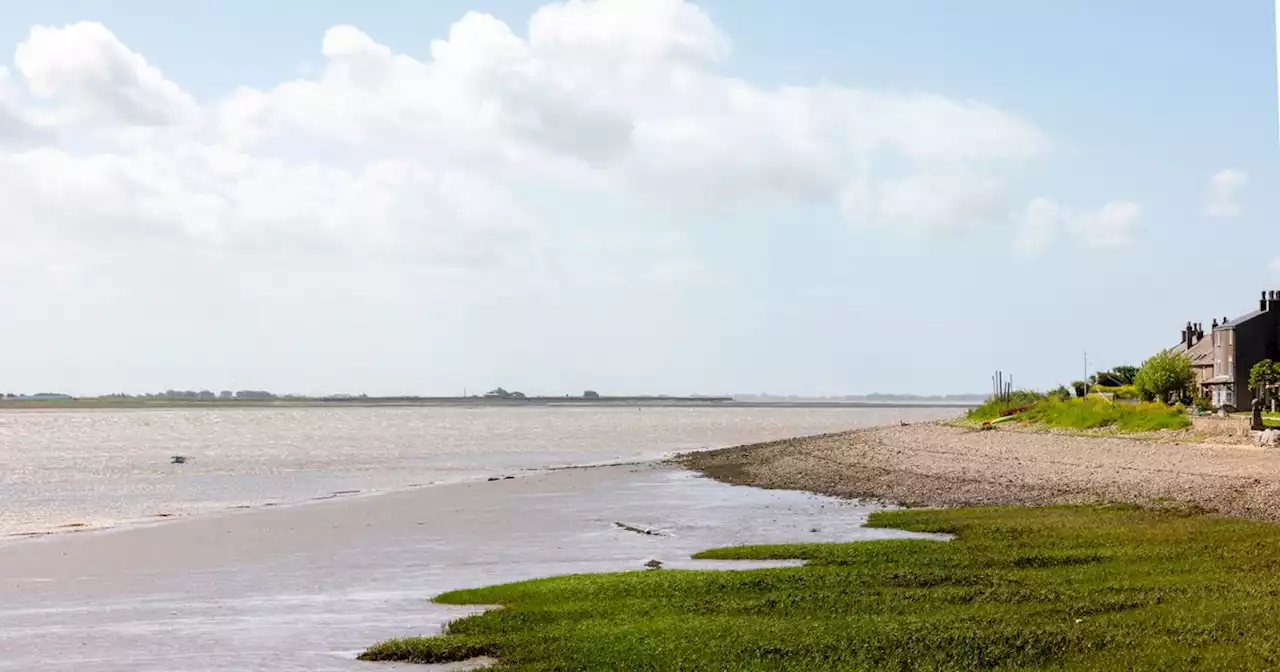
[938, 465]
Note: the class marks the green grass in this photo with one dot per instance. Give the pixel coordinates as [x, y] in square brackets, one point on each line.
[1061, 588]
[1095, 413]
[1091, 413]
[996, 408]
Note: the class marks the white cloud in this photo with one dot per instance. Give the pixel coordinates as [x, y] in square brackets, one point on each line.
[1112, 226]
[925, 203]
[432, 160]
[1046, 221]
[95, 78]
[1225, 189]
[1043, 224]
[625, 94]
[16, 123]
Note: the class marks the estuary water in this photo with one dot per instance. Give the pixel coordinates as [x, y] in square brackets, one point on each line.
[85, 469]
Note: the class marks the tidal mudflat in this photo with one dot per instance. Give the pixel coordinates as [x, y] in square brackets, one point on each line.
[309, 587]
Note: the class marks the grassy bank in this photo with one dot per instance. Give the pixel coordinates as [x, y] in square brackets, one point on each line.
[1072, 588]
[1088, 413]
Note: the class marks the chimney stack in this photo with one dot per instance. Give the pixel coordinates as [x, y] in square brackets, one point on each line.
[1215, 323]
[1265, 302]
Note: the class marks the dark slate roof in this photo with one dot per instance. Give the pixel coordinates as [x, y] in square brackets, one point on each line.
[1240, 320]
[1201, 353]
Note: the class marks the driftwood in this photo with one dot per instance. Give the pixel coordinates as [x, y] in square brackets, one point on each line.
[640, 529]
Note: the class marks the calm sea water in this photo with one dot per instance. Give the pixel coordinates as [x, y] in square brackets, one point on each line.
[70, 469]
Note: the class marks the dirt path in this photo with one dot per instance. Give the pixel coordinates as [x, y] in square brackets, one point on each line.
[936, 465]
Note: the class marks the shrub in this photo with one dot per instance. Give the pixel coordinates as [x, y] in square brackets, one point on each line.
[1120, 391]
[1061, 393]
[1125, 374]
[1165, 374]
[1080, 388]
[1262, 377]
[998, 408]
[1099, 413]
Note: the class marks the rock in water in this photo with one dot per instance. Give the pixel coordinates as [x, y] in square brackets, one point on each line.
[654, 564]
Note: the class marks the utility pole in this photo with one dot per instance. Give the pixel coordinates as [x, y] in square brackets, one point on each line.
[1086, 369]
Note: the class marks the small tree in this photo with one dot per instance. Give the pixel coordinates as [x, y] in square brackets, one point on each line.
[1262, 377]
[1125, 374]
[1165, 375]
[1107, 379]
[1081, 388]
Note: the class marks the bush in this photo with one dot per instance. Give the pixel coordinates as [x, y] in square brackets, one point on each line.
[1125, 374]
[1097, 413]
[1080, 388]
[998, 408]
[1061, 393]
[1120, 392]
[1262, 377]
[1164, 375]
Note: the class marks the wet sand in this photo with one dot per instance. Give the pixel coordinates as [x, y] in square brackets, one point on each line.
[937, 465]
[307, 587]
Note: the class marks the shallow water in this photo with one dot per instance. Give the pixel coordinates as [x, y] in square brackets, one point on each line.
[306, 588]
[95, 468]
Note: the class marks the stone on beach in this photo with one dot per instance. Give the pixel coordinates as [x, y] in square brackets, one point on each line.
[940, 465]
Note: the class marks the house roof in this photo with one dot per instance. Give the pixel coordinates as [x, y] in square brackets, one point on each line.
[1219, 380]
[1239, 320]
[1201, 353]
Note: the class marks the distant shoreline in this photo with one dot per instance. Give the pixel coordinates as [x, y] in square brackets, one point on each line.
[460, 402]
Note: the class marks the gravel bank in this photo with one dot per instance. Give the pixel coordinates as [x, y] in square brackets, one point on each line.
[938, 465]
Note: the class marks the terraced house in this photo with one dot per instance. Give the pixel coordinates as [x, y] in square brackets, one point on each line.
[1236, 346]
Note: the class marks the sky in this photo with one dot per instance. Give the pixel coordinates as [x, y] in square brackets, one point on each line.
[631, 196]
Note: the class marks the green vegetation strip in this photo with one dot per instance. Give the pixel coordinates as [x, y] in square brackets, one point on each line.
[1063, 588]
[1088, 413]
